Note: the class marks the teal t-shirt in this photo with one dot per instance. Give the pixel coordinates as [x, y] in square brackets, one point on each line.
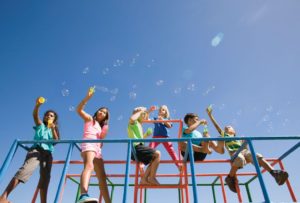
[135, 131]
[42, 132]
[194, 134]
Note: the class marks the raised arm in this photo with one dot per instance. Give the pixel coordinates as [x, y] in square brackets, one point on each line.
[35, 113]
[135, 116]
[213, 120]
[194, 126]
[80, 108]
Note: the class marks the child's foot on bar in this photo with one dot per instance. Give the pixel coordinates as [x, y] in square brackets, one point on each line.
[153, 181]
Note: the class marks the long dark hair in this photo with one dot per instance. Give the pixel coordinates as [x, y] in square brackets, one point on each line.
[55, 121]
[105, 120]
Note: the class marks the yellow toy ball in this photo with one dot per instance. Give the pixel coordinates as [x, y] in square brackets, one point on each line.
[41, 100]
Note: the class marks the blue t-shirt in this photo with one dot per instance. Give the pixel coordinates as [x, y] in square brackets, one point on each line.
[194, 134]
[43, 133]
[160, 129]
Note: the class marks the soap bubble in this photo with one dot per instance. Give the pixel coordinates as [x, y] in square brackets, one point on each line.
[120, 117]
[159, 82]
[65, 92]
[86, 70]
[217, 39]
[113, 98]
[102, 88]
[114, 91]
[132, 95]
[191, 87]
[177, 90]
[71, 108]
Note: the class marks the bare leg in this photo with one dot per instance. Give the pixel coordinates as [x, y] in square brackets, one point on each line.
[206, 145]
[263, 163]
[153, 168]
[10, 187]
[233, 171]
[101, 175]
[88, 158]
[219, 148]
[144, 179]
[43, 194]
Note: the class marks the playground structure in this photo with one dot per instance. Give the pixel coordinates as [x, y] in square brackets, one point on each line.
[186, 179]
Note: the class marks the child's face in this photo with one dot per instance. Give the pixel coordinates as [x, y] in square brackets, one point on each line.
[162, 111]
[229, 130]
[50, 116]
[193, 120]
[101, 115]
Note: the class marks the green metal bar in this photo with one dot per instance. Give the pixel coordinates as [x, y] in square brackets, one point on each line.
[112, 193]
[248, 193]
[78, 193]
[179, 195]
[214, 193]
[145, 196]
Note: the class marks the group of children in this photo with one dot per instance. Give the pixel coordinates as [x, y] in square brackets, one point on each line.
[96, 127]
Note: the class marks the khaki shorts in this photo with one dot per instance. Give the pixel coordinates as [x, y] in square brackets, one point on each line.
[244, 158]
[35, 158]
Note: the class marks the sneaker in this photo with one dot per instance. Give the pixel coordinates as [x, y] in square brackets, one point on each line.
[231, 182]
[85, 198]
[280, 176]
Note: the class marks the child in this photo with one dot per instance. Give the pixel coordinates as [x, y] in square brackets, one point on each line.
[40, 154]
[244, 157]
[95, 127]
[144, 154]
[200, 149]
[161, 131]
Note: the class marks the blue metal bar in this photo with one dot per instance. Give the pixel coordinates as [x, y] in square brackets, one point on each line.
[289, 151]
[126, 184]
[24, 147]
[261, 181]
[8, 158]
[193, 171]
[64, 173]
[78, 147]
[238, 151]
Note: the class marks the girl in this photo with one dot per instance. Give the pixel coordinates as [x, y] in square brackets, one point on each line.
[40, 154]
[161, 131]
[95, 127]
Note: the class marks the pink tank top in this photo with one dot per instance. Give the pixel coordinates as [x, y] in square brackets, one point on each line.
[92, 130]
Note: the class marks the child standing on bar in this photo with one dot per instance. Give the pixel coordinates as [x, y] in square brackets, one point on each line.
[161, 130]
[40, 154]
[95, 127]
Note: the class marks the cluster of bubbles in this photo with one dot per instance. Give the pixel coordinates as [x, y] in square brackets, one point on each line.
[133, 61]
[159, 82]
[86, 70]
[209, 90]
[191, 87]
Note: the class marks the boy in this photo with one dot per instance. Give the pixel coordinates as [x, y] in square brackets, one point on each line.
[243, 158]
[144, 154]
[200, 149]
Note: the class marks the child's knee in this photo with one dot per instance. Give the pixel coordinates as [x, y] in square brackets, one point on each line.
[239, 161]
[157, 154]
[89, 166]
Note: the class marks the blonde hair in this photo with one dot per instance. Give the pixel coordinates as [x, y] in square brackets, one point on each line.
[167, 115]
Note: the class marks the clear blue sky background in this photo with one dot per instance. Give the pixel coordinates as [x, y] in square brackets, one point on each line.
[241, 56]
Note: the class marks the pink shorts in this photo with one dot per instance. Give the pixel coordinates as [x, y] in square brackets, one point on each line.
[95, 147]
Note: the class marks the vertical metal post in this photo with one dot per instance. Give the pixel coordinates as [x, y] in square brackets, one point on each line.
[248, 193]
[126, 184]
[261, 181]
[191, 154]
[8, 158]
[64, 173]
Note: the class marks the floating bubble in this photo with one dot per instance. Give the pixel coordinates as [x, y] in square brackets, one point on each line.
[120, 117]
[65, 92]
[191, 87]
[210, 89]
[114, 91]
[239, 112]
[101, 88]
[269, 109]
[159, 82]
[134, 86]
[105, 71]
[177, 90]
[149, 66]
[63, 83]
[71, 108]
[86, 70]
[133, 62]
[118, 63]
[152, 61]
[137, 55]
[265, 118]
[113, 98]
[217, 39]
[132, 95]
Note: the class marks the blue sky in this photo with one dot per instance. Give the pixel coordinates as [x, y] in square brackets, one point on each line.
[240, 56]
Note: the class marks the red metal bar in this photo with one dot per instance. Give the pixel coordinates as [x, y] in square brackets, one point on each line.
[288, 184]
[36, 192]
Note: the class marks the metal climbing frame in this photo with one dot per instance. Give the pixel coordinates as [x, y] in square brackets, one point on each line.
[183, 185]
